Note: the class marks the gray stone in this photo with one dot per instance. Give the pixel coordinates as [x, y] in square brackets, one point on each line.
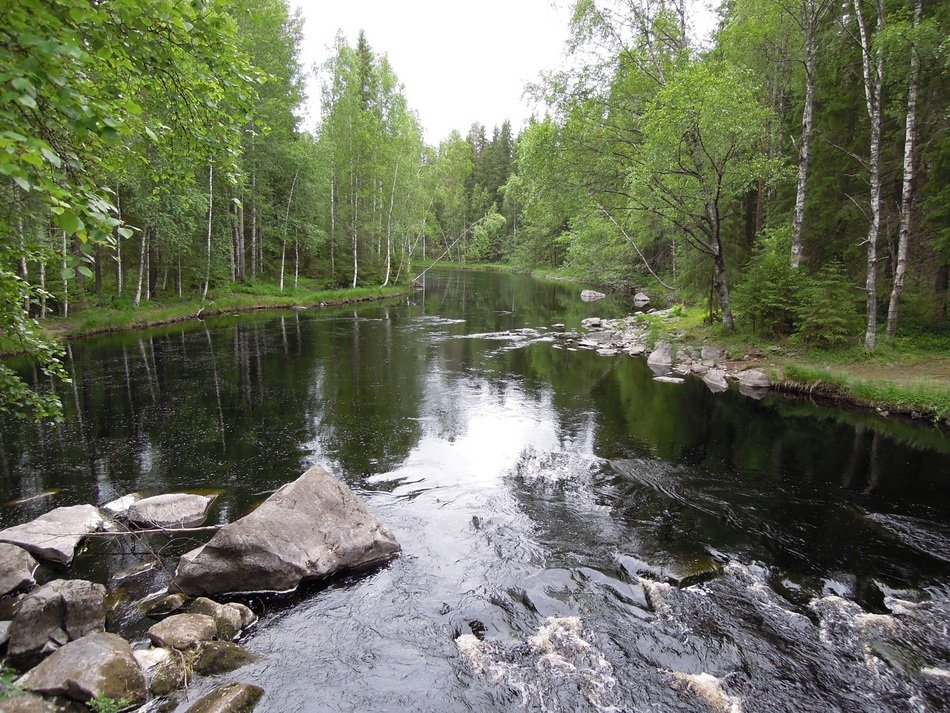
[591, 323]
[248, 617]
[227, 618]
[56, 535]
[16, 568]
[4, 633]
[591, 295]
[98, 664]
[120, 506]
[214, 657]
[310, 528]
[754, 379]
[712, 354]
[229, 698]
[173, 510]
[28, 703]
[668, 379]
[54, 614]
[699, 369]
[636, 350]
[182, 631]
[166, 671]
[641, 299]
[163, 605]
[661, 356]
[715, 381]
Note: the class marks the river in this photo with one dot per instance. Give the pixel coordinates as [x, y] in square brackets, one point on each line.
[576, 536]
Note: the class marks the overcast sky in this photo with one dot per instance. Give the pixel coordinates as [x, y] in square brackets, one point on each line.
[459, 62]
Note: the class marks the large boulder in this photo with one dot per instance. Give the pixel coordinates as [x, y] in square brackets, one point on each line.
[183, 631]
[641, 300]
[16, 569]
[310, 528]
[54, 614]
[173, 510]
[715, 380]
[591, 295]
[229, 698]
[99, 664]
[56, 535]
[214, 657]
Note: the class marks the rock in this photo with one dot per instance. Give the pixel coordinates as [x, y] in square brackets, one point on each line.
[754, 379]
[173, 510]
[591, 295]
[641, 300]
[120, 506]
[699, 369]
[98, 664]
[591, 323]
[214, 657]
[248, 617]
[682, 369]
[712, 353]
[715, 381]
[227, 618]
[310, 528]
[164, 605]
[661, 356]
[28, 703]
[56, 535]
[668, 379]
[4, 633]
[557, 326]
[54, 614]
[182, 631]
[16, 569]
[166, 671]
[229, 698]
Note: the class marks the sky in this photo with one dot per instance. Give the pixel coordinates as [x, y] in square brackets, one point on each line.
[459, 61]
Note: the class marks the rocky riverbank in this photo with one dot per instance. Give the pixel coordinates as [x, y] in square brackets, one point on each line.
[55, 635]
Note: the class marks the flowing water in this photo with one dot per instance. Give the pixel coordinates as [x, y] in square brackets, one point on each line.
[576, 536]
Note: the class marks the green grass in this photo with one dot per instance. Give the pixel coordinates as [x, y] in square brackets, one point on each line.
[237, 298]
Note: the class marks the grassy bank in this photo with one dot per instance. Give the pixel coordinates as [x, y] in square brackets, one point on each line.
[89, 320]
[908, 374]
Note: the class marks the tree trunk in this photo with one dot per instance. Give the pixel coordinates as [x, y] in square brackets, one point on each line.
[389, 226]
[296, 261]
[98, 266]
[23, 268]
[204, 292]
[907, 189]
[239, 244]
[118, 246]
[65, 281]
[810, 29]
[179, 277]
[138, 290]
[283, 246]
[873, 69]
[254, 225]
[722, 289]
[332, 231]
[356, 203]
[43, 290]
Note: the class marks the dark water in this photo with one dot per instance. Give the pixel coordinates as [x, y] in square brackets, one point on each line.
[575, 535]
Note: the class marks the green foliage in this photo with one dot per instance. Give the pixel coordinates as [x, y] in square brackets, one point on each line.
[7, 677]
[825, 313]
[485, 241]
[105, 704]
[768, 295]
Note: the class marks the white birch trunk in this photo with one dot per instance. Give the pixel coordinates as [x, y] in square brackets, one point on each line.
[204, 292]
[872, 63]
[65, 281]
[283, 244]
[138, 290]
[907, 189]
[810, 29]
[389, 226]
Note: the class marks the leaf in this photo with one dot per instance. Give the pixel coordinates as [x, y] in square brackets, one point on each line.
[52, 157]
[27, 101]
[151, 134]
[125, 232]
[22, 183]
[67, 273]
[85, 271]
[69, 222]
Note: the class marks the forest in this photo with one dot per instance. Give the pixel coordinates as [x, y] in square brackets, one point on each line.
[790, 174]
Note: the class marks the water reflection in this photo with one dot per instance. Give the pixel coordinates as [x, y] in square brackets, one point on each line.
[524, 481]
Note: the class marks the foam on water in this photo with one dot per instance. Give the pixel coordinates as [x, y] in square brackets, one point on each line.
[708, 688]
[557, 657]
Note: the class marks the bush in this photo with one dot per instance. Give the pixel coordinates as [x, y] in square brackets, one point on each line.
[770, 293]
[825, 314]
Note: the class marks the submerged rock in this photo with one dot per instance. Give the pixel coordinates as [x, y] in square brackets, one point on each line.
[229, 698]
[163, 605]
[214, 657]
[310, 528]
[53, 615]
[99, 664]
[591, 322]
[172, 510]
[182, 631]
[56, 535]
[16, 569]
[591, 295]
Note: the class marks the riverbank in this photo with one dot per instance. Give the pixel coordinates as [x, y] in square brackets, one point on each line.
[92, 320]
[907, 375]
